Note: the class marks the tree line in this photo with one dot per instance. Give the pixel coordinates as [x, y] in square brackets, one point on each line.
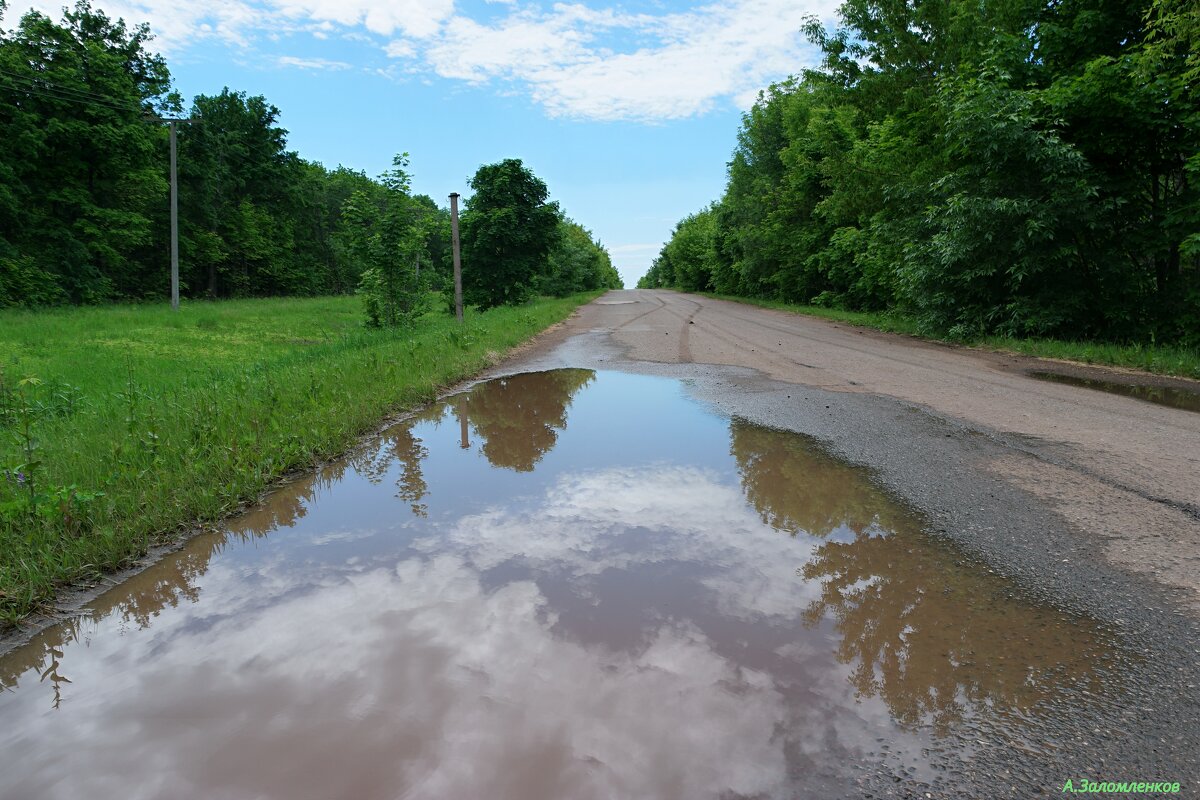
[84, 213]
[1018, 167]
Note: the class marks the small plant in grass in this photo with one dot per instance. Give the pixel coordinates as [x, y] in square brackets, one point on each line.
[62, 400]
[26, 474]
[59, 399]
[462, 338]
[9, 401]
[30, 500]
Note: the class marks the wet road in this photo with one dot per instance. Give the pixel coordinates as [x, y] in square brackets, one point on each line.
[1086, 500]
[616, 570]
[1122, 470]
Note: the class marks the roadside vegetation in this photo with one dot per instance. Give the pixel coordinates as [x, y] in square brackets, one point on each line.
[84, 212]
[126, 425]
[1005, 173]
[1160, 359]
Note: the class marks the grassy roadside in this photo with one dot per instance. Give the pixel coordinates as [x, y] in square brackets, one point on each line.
[123, 425]
[1162, 360]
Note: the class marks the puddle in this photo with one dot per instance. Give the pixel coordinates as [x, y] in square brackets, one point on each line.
[1171, 396]
[562, 584]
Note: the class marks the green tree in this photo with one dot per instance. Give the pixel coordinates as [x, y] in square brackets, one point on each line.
[1014, 166]
[386, 233]
[81, 168]
[84, 193]
[1005, 246]
[691, 251]
[750, 261]
[235, 174]
[1171, 60]
[509, 229]
[659, 276]
[440, 263]
[577, 263]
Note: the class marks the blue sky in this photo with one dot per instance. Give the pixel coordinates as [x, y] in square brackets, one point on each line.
[628, 111]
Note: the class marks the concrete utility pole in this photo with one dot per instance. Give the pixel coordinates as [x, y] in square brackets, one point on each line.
[457, 257]
[174, 225]
[171, 123]
[464, 442]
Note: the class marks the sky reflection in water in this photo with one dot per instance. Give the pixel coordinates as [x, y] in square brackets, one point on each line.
[649, 601]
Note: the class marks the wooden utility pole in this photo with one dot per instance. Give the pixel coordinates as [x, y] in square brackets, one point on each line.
[457, 257]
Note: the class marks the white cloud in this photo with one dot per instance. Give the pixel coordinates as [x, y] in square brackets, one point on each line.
[175, 23]
[682, 514]
[687, 63]
[400, 48]
[576, 60]
[438, 676]
[418, 18]
[439, 688]
[311, 63]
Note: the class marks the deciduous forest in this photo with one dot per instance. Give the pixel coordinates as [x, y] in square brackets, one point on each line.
[1014, 167]
[84, 211]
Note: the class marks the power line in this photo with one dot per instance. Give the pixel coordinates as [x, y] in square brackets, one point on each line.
[40, 78]
[63, 97]
[40, 86]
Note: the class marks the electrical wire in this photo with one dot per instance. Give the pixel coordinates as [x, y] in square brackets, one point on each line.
[53, 94]
[34, 78]
[40, 86]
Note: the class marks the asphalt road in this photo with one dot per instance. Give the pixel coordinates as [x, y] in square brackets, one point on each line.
[1086, 500]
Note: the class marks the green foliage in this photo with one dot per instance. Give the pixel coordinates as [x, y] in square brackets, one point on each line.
[1015, 168]
[237, 234]
[23, 282]
[509, 229]
[576, 263]
[80, 166]
[691, 252]
[386, 233]
[1003, 246]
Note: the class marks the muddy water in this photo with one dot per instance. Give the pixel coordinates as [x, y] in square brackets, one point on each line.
[1170, 396]
[561, 584]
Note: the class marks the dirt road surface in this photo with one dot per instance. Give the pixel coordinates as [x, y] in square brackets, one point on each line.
[1121, 473]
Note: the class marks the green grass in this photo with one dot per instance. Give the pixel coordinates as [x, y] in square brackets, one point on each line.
[135, 423]
[1159, 359]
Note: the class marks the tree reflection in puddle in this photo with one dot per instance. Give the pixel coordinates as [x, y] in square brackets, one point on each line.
[935, 636]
